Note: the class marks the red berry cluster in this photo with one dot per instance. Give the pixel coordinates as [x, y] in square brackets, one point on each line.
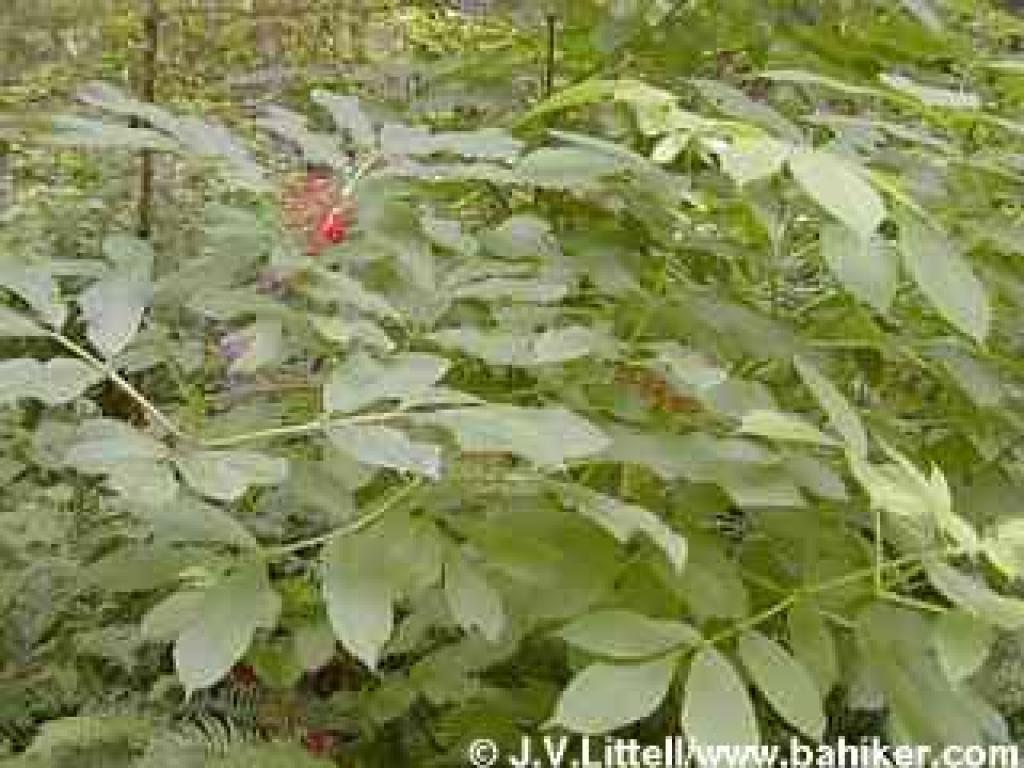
[656, 390]
[317, 210]
[320, 743]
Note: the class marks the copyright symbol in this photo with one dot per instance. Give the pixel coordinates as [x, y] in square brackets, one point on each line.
[483, 753]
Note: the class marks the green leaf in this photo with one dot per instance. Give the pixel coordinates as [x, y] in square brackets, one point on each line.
[521, 289]
[1004, 547]
[275, 663]
[360, 605]
[266, 755]
[113, 309]
[227, 475]
[503, 348]
[448, 234]
[975, 597]
[484, 144]
[169, 618]
[717, 709]
[548, 436]
[101, 445]
[774, 425]
[37, 288]
[345, 332]
[732, 101]
[945, 278]
[144, 482]
[843, 417]
[624, 521]
[605, 697]
[864, 266]
[139, 568]
[262, 345]
[90, 732]
[712, 584]
[910, 497]
[14, 324]
[76, 131]
[785, 682]
[387, 447]
[348, 117]
[838, 187]
[924, 12]
[669, 147]
[129, 253]
[190, 520]
[629, 636]
[366, 572]
[216, 625]
[802, 77]
[361, 381]
[582, 94]
[339, 288]
[474, 603]
[56, 382]
[315, 644]
[962, 644]
[813, 645]
[746, 160]
[896, 644]
[930, 95]
[568, 168]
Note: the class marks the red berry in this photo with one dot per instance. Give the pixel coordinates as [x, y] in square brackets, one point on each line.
[333, 227]
[319, 743]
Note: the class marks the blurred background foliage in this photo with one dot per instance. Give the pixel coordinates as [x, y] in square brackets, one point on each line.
[469, 63]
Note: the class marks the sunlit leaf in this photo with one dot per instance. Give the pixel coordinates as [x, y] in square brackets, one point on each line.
[54, 382]
[227, 475]
[977, 598]
[945, 278]
[387, 447]
[474, 602]
[930, 95]
[782, 426]
[625, 635]
[604, 697]
[962, 643]
[864, 266]
[839, 188]
[113, 309]
[785, 682]
[545, 436]
[717, 709]
[843, 417]
[221, 625]
[362, 381]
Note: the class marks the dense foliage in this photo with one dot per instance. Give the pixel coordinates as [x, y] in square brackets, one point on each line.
[685, 399]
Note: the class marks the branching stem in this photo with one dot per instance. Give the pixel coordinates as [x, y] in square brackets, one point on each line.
[167, 424]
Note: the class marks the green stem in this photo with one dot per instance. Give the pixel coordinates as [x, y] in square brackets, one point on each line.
[832, 584]
[297, 430]
[355, 526]
[911, 602]
[879, 550]
[108, 370]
